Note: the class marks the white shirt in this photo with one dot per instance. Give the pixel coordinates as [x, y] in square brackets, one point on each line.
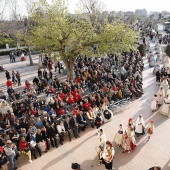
[60, 128]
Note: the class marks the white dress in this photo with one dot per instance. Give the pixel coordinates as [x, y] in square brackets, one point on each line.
[160, 95]
[101, 141]
[119, 137]
[165, 86]
[139, 126]
[164, 110]
[154, 103]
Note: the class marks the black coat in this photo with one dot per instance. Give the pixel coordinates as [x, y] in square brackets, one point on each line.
[79, 120]
[51, 132]
[66, 126]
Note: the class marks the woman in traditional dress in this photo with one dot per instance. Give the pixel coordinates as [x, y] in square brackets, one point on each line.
[119, 136]
[150, 129]
[164, 110]
[165, 85]
[108, 155]
[131, 135]
[154, 103]
[101, 141]
[126, 143]
[140, 126]
[160, 96]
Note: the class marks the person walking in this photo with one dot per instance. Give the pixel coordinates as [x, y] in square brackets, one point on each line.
[150, 129]
[18, 78]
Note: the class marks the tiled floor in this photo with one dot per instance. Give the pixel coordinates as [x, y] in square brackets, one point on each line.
[82, 150]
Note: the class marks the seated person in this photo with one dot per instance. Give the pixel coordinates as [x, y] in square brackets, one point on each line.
[76, 110]
[2, 95]
[86, 105]
[81, 121]
[24, 148]
[91, 116]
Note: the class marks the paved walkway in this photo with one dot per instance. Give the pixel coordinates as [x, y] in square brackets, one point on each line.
[82, 150]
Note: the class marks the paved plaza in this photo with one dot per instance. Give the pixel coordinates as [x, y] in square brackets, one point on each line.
[82, 150]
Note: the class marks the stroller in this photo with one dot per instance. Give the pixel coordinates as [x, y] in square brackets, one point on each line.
[1, 68]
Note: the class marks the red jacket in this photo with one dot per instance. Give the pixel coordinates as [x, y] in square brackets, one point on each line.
[27, 86]
[9, 83]
[78, 80]
[77, 97]
[23, 145]
[62, 96]
[33, 112]
[87, 105]
[70, 100]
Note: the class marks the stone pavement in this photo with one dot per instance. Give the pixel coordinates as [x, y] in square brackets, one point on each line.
[82, 150]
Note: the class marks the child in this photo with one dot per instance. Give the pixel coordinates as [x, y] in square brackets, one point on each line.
[154, 103]
[150, 129]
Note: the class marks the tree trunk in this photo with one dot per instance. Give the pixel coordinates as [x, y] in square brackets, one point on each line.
[30, 58]
[70, 69]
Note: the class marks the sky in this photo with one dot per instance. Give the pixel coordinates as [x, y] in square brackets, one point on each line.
[110, 5]
[130, 5]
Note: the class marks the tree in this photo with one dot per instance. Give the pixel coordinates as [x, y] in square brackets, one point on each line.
[117, 38]
[58, 31]
[2, 8]
[53, 29]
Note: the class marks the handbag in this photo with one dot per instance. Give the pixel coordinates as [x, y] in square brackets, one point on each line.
[75, 166]
[3, 161]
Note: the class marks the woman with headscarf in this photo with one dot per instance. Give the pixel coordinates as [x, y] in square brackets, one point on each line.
[160, 95]
[154, 103]
[164, 110]
[101, 141]
[119, 136]
[165, 85]
[140, 126]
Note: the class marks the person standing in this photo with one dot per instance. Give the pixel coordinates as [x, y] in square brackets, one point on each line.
[10, 153]
[7, 74]
[101, 142]
[150, 129]
[59, 67]
[164, 110]
[154, 103]
[118, 139]
[108, 156]
[160, 95]
[18, 78]
[140, 126]
[45, 74]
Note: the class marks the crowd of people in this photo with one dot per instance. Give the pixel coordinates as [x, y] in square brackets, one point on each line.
[37, 123]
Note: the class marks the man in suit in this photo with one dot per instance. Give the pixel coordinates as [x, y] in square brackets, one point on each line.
[54, 137]
[81, 120]
[75, 126]
[68, 127]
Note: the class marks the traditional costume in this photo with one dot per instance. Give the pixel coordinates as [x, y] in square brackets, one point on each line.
[154, 103]
[108, 155]
[140, 125]
[165, 85]
[164, 110]
[101, 140]
[126, 143]
[119, 136]
[150, 129]
[160, 96]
